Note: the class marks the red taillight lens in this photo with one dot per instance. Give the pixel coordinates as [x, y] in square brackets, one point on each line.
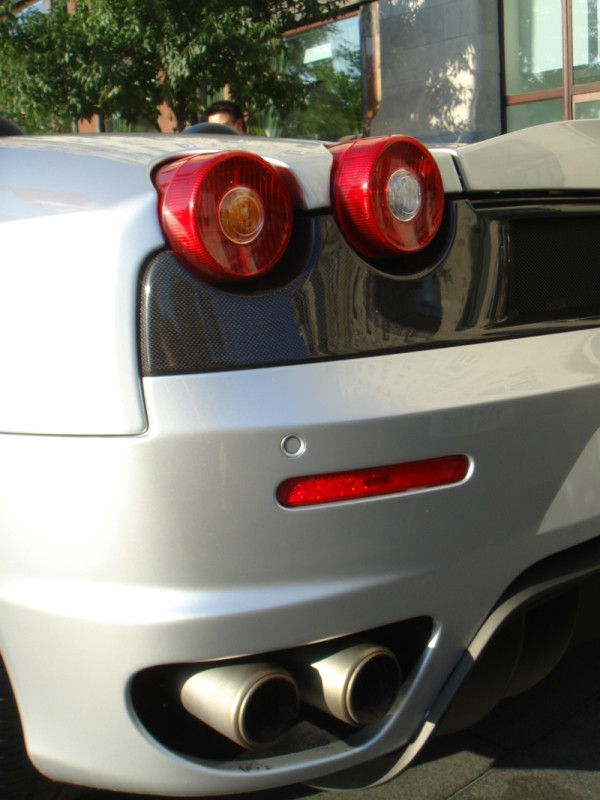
[387, 194]
[354, 485]
[226, 215]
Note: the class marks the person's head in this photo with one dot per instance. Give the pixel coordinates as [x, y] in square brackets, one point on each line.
[226, 112]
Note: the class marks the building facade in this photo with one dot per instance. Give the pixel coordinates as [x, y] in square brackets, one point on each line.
[470, 69]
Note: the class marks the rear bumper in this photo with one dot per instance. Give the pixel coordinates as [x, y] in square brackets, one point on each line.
[124, 553]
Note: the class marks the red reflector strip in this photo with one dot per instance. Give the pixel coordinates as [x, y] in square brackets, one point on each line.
[336, 487]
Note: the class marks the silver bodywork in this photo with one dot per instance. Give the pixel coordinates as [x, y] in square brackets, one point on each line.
[139, 521]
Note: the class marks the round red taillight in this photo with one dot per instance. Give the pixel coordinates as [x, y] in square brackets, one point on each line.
[387, 195]
[227, 216]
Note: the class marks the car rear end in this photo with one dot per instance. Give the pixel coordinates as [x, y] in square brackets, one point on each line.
[282, 471]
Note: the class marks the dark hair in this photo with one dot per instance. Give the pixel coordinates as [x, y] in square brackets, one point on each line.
[225, 107]
[8, 128]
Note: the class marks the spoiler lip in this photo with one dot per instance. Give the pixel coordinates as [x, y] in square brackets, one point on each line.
[557, 156]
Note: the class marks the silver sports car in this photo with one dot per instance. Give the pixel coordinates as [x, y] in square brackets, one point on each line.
[300, 449]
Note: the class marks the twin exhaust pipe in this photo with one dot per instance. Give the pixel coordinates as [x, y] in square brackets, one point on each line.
[254, 703]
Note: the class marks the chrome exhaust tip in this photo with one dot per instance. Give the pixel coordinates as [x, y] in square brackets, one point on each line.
[252, 704]
[357, 684]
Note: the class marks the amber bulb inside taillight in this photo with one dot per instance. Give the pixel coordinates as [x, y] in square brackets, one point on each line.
[241, 215]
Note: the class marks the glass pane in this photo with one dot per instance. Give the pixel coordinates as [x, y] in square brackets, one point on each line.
[532, 45]
[328, 58]
[38, 6]
[528, 114]
[589, 109]
[586, 66]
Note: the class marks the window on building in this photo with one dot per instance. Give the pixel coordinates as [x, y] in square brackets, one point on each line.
[551, 61]
[327, 57]
[39, 5]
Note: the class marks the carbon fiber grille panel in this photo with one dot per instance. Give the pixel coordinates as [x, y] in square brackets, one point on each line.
[496, 272]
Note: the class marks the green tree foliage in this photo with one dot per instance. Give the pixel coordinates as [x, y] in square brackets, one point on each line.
[32, 61]
[125, 58]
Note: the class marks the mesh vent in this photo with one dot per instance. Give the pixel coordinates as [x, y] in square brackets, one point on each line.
[554, 268]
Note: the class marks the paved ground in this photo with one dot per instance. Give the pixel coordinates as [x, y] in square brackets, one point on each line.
[542, 745]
